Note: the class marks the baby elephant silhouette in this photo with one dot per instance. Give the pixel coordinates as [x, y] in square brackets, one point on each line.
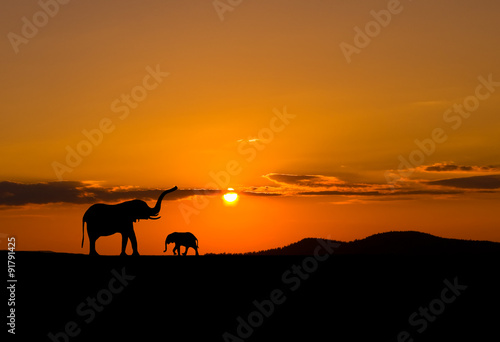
[182, 239]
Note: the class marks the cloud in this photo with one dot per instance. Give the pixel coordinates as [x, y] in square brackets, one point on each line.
[249, 140]
[319, 185]
[428, 192]
[18, 194]
[475, 182]
[40, 193]
[341, 193]
[259, 193]
[381, 193]
[311, 181]
[452, 167]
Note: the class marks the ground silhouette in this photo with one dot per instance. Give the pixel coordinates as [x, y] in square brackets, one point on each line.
[348, 296]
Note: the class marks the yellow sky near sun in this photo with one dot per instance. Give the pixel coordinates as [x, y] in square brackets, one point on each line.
[225, 80]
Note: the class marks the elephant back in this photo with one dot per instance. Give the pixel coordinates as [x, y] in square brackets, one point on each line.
[184, 238]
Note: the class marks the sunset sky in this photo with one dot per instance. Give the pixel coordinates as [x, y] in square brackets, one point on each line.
[335, 119]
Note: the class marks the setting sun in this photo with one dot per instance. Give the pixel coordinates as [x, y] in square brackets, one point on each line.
[231, 196]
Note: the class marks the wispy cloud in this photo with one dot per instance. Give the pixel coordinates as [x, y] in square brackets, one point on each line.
[322, 185]
[311, 181]
[249, 140]
[259, 193]
[380, 193]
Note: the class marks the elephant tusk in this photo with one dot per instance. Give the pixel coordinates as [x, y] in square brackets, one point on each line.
[154, 218]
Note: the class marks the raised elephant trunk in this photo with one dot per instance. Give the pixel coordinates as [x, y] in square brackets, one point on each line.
[156, 210]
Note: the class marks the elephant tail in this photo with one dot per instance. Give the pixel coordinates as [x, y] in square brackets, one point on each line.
[83, 232]
[165, 247]
[196, 242]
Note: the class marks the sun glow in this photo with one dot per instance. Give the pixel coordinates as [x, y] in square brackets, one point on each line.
[230, 197]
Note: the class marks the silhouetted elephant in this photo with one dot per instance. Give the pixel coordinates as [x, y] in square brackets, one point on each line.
[105, 219]
[182, 239]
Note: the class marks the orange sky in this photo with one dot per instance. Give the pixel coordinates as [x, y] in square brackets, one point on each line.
[398, 133]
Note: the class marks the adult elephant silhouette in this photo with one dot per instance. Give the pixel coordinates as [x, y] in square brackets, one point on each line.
[182, 239]
[104, 219]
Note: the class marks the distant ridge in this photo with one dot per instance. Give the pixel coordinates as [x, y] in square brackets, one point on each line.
[395, 243]
[303, 247]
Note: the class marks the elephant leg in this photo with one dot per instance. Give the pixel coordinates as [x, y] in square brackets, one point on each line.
[125, 236]
[93, 236]
[196, 250]
[176, 248]
[133, 241]
[92, 250]
[186, 251]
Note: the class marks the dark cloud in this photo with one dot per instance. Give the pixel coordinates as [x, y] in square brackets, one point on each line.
[476, 182]
[40, 193]
[341, 193]
[17, 194]
[450, 167]
[255, 193]
[380, 193]
[427, 192]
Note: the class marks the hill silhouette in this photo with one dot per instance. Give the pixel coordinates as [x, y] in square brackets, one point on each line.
[395, 243]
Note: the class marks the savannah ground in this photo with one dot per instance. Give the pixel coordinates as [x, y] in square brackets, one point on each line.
[228, 297]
